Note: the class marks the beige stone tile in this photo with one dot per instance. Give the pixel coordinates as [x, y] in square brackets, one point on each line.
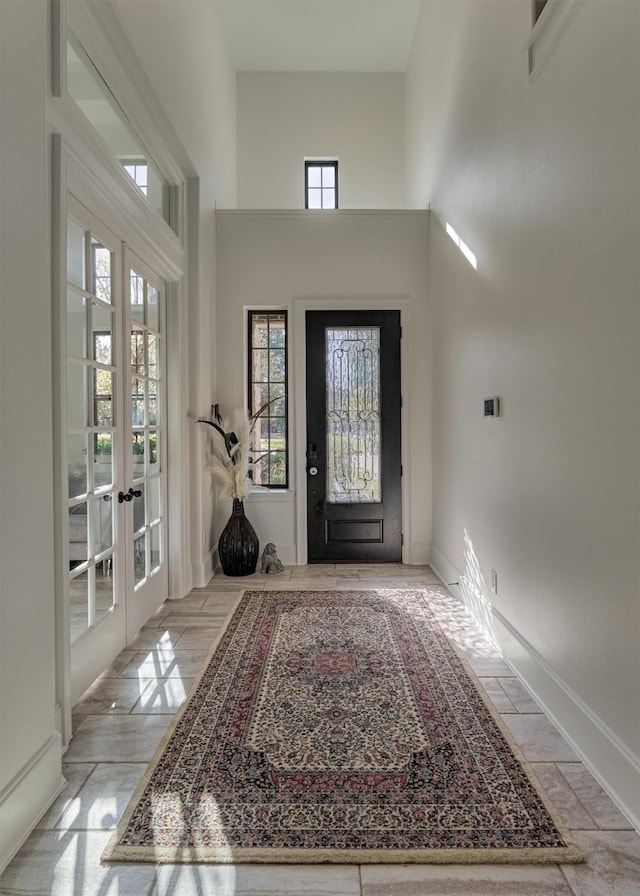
[110, 695]
[319, 571]
[598, 804]
[103, 797]
[463, 880]
[67, 863]
[114, 669]
[519, 695]
[192, 601]
[258, 880]
[612, 864]
[131, 738]
[199, 638]
[497, 695]
[563, 797]
[299, 585]
[75, 773]
[539, 739]
[163, 696]
[190, 620]
[487, 667]
[178, 663]
[160, 638]
[220, 601]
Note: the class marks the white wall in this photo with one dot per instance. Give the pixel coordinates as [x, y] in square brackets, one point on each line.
[282, 260]
[357, 118]
[30, 761]
[182, 48]
[540, 178]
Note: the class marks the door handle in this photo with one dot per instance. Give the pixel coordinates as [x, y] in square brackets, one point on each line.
[318, 508]
[130, 495]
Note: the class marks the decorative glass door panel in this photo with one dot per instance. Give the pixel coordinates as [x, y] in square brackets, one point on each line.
[353, 415]
[354, 493]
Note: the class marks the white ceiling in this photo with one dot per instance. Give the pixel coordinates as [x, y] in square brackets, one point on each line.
[308, 35]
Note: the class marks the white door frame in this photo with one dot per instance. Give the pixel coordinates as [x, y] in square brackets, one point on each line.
[153, 240]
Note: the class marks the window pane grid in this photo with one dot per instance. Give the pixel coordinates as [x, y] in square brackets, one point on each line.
[268, 386]
[91, 387]
[321, 185]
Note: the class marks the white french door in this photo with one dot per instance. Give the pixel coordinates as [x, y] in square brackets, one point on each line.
[145, 491]
[115, 445]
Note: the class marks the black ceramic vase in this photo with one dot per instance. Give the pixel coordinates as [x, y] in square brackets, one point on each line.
[238, 544]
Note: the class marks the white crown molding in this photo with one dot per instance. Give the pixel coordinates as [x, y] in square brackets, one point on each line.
[547, 30]
[322, 213]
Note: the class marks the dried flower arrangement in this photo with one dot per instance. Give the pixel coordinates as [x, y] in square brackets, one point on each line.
[231, 457]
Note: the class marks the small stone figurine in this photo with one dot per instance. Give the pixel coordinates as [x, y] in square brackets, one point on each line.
[269, 560]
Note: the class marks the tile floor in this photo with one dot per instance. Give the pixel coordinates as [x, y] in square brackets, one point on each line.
[119, 721]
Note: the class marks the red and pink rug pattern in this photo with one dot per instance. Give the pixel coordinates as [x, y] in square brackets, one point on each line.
[338, 726]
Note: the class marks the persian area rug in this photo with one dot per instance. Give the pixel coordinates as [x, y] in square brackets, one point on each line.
[338, 727]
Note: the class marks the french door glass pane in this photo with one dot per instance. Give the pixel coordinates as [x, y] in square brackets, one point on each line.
[77, 463]
[137, 351]
[78, 534]
[154, 553]
[139, 559]
[77, 395]
[91, 418]
[102, 320]
[153, 308]
[146, 385]
[353, 415]
[103, 398]
[103, 459]
[79, 605]
[154, 499]
[103, 524]
[104, 583]
[101, 263]
[76, 324]
[137, 297]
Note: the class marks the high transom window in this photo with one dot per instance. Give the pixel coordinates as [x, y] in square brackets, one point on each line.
[321, 184]
[95, 100]
[268, 396]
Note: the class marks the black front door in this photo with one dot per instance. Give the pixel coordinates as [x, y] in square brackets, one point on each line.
[354, 488]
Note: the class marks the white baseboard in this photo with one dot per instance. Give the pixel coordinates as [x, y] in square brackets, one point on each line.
[613, 765]
[445, 570]
[28, 795]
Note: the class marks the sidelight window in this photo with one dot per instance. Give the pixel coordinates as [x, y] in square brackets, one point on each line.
[268, 395]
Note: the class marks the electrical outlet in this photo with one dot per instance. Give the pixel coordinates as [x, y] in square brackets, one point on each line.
[494, 581]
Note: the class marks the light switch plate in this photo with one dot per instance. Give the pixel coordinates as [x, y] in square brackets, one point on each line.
[492, 407]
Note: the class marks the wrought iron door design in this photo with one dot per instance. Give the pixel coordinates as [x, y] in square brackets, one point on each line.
[353, 436]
